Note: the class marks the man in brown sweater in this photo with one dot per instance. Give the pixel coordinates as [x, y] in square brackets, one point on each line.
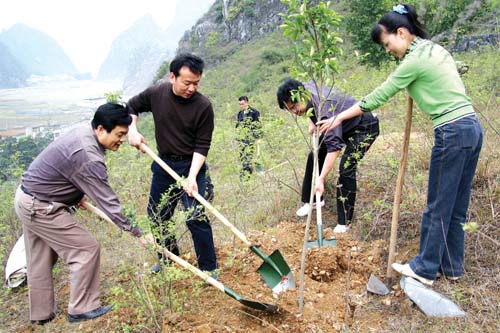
[184, 122]
[71, 167]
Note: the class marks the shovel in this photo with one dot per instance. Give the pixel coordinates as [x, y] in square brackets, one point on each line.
[274, 270]
[207, 278]
[319, 220]
[399, 189]
[432, 303]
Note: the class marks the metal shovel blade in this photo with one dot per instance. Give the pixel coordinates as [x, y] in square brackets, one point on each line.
[432, 303]
[321, 241]
[276, 273]
[376, 286]
[251, 304]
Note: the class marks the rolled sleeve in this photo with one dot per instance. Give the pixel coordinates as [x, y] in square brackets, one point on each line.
[92, 179]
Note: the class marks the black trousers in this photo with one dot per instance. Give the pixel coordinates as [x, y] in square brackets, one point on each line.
[247, 152]
[357, 142]
[163, 198]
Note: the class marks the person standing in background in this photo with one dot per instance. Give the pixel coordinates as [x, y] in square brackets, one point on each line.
[249, 130]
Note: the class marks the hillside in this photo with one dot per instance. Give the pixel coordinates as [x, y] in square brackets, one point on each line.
[12, 73]
[264, 209]
[135, 54]
[36, 52]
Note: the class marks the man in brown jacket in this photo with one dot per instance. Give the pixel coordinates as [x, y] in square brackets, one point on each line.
[71, 167]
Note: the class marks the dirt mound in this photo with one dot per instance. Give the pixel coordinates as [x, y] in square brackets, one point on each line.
[334, 292]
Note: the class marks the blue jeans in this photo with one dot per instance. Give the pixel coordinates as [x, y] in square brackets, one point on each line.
[453, 163]
[163, 198]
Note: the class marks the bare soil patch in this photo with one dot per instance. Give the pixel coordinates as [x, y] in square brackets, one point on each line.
[335, 296]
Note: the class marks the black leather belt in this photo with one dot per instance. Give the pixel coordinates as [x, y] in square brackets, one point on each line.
[25, 190]
[176, 158]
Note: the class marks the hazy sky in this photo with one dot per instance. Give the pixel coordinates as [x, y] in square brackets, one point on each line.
[85, 29]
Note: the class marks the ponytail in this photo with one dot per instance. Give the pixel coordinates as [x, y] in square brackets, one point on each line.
[401, 15]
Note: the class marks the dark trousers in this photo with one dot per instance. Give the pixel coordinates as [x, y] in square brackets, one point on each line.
[163, 198]
[357, 142]
[247, 152]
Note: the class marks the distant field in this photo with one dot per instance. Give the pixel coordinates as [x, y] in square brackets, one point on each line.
[50, 103]
[14, 132]
[17, 121]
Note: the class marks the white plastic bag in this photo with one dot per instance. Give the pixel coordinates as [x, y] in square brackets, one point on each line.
[16, 269]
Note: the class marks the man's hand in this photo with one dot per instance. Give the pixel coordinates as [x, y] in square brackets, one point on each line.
[312, 128]
[147, 239]
[81, 204]
[135, 138]
[320, 186]
[190, 186]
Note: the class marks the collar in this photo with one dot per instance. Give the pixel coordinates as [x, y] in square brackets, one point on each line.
[90, 135]
[416, 42]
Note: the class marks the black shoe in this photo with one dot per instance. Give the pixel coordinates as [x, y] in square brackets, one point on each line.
[44, 321]
[102, 310]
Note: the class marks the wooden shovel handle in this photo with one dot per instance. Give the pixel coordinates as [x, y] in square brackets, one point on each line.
[197, 196]
[169, 254]
[399, 188]
[319, 218]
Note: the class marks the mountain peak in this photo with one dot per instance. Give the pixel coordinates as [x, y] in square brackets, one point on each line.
[36, 52]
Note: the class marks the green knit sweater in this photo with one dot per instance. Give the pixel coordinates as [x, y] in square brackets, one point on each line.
[430, 75]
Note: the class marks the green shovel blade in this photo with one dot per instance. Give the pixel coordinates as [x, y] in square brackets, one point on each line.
[251, 304]
[321, 241]
[276, 273]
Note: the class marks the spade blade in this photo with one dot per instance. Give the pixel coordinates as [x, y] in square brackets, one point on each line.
[278, 280]
[432, 303]
[376, 286]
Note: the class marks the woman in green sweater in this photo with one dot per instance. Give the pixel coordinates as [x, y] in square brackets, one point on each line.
[429, 74]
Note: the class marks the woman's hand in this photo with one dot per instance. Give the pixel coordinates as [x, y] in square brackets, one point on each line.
[81, 204]
[328, 124]
[147, 239]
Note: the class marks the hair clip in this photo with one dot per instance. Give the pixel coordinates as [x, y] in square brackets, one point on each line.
[400, 9]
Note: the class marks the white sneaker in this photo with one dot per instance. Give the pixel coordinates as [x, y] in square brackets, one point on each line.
[407, 271]
[341, 228]
[304, 210]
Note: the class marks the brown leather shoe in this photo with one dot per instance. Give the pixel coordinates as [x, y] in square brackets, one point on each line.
[102, 310]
